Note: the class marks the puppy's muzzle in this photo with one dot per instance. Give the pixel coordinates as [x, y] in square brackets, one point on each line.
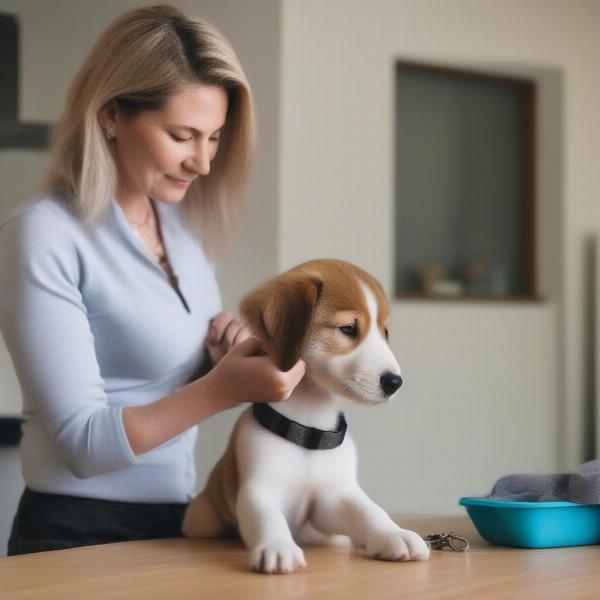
[390, 382]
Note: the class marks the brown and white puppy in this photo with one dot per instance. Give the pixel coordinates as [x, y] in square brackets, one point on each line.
[275, 493]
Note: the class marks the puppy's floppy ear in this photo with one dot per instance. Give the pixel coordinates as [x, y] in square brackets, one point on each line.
[280, 313]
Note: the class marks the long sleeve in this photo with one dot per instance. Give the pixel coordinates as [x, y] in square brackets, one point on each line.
[45, 326]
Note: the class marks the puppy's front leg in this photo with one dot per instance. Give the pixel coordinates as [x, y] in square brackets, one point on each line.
[353, 513]
[266, 533]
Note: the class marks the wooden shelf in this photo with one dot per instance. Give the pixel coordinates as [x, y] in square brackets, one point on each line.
[470, 298]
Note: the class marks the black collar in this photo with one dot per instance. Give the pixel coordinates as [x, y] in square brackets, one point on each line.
[307, 437]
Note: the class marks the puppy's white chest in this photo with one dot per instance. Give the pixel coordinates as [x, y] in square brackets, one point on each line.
[289, 470]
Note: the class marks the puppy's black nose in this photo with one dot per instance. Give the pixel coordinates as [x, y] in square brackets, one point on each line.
[390, 382]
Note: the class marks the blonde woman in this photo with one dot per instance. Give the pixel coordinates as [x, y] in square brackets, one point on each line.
[108, 290]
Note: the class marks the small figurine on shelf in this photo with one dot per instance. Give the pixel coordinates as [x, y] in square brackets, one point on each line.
[428, 274]
[432, 281]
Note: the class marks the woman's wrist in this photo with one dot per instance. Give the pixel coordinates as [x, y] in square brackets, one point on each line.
[210, 392]
[150, 425]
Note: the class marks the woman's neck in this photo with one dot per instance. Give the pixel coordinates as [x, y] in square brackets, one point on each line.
[135, 206]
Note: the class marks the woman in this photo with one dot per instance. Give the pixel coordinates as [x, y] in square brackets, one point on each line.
[108, 288]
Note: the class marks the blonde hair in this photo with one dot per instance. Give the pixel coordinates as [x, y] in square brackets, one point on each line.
[143, 58]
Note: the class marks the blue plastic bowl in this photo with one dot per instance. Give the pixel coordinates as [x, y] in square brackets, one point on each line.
[534, 524]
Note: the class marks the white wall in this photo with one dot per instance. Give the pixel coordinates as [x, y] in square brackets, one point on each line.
[491, 388]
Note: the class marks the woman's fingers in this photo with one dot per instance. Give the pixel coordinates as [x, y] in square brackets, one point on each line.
[296, 373]
[231, 332]
[218, 326]
[227, 330]
[249, 347]
[243, 334]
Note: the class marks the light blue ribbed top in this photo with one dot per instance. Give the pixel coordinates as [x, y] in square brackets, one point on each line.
[92, 324]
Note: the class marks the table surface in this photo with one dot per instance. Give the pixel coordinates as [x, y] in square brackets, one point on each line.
[217, 569]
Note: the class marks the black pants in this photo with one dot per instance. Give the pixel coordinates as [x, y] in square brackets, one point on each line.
[54, 522]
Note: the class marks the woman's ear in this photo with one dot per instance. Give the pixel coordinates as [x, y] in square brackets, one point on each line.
[280, 313]
[107, 115]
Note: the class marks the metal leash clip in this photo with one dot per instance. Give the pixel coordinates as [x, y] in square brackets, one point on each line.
[438, 541]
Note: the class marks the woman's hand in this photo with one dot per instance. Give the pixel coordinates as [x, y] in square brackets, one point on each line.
[224, 333]
[243, 375]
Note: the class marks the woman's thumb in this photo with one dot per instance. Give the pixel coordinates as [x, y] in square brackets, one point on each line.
[248, 347]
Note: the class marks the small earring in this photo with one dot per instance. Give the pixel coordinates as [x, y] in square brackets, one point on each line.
[110, 134]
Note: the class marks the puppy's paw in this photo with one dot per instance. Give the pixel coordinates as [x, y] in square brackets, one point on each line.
[284, 557]
[402, 545]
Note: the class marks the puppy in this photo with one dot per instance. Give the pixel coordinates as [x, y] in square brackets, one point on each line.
[288, 475]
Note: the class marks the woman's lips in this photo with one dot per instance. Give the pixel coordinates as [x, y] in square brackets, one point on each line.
[180, 182]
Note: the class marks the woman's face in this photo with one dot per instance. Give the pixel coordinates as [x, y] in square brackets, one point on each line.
[160, 152]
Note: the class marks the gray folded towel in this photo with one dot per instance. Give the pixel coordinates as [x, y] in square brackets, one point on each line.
[581, 486]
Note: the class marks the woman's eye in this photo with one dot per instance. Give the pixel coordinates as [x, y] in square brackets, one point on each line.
[213, 139]
[387, 333]
[350, 330]
[177, 139]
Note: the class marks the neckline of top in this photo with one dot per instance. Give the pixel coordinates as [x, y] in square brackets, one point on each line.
[164, 223]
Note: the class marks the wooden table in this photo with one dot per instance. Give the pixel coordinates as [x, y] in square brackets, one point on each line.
[215, 569]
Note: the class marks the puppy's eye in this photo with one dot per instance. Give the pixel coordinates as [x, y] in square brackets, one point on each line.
[350, 330]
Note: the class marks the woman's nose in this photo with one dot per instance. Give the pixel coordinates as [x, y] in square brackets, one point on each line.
[201, 158]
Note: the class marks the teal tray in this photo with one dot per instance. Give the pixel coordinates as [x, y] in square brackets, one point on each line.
[534, 524]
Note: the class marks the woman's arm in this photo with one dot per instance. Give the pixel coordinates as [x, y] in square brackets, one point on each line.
[240, 376]
[152, 424]
[45, 325]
